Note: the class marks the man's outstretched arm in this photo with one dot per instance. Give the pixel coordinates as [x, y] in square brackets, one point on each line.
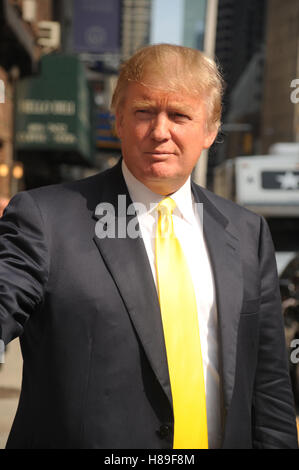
[23, 264]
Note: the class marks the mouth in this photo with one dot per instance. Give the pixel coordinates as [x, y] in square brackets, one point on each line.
[160, 155]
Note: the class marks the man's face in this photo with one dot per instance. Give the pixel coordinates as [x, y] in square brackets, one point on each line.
[162, 135]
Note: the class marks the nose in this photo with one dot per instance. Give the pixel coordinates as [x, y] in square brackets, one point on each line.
[160, 130]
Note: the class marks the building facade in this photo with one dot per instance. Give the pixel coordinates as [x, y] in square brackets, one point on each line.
[280, 114]
[19, 54]
[239, 51]
[135, 27]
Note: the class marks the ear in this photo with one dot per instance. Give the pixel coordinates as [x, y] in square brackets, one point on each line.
[209, 138]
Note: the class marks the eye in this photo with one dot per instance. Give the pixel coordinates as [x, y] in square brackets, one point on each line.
[180, 117]
[143, 113]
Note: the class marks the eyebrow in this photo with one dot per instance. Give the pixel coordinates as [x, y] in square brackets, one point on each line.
[172, 106]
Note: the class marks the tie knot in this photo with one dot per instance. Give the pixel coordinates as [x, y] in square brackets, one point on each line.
[166, 206]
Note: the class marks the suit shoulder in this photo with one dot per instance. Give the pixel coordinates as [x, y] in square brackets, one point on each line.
[227, 207]
[61, 189]
[67, 194]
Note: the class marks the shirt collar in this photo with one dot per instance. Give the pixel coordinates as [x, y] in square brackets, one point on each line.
[140, 193]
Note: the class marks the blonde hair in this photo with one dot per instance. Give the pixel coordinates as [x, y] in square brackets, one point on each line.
[181, 69]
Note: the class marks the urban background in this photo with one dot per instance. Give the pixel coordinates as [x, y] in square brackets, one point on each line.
[59, 61]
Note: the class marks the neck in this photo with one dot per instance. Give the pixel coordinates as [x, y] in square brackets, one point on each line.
[164, 188]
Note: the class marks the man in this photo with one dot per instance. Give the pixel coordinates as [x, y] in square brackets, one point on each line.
[169, 339]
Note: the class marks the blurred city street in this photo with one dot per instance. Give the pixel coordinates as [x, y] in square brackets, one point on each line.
[10, 384]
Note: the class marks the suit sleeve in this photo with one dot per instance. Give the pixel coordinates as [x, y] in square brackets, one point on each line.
[273, 404]
[23, 264]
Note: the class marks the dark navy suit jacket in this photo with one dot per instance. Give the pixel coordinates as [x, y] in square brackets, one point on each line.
[86, 310]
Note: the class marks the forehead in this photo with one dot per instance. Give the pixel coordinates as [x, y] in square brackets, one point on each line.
[157, 95]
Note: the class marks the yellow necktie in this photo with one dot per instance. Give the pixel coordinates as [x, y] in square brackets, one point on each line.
[181, 333]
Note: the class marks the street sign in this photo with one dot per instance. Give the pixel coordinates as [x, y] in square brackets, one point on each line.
[53, 110]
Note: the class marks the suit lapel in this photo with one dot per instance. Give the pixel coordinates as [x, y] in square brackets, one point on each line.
[135, 282]
[224, 252]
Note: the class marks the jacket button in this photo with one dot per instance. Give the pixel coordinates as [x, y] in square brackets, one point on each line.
[165, 431]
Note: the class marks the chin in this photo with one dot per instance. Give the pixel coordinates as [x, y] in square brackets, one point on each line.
[161, 174]
[162, 170]
[163, 181]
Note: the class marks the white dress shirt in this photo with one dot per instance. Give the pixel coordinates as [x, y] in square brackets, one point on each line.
[188, 229]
